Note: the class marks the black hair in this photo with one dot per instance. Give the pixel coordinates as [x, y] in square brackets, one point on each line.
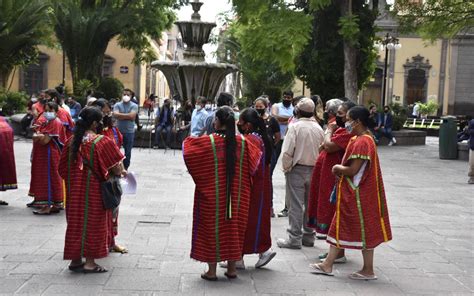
[227, 119]
[251, 116]
[288, 93]
[52, 106]
[263, 99]
[202, 99]
[363, 115]
[225, 99]
[348, 104]
[53, 94]
[101, 103]
[87, 117]
[129, 90]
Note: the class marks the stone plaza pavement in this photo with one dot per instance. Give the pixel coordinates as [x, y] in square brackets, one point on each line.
[431, 211]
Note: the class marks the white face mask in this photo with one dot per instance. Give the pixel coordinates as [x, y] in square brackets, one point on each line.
[198, 107]
[126, 99]
[208, 106]
[34, 100]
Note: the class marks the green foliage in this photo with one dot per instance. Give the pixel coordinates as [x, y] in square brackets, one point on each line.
[321, 64]
[22, 28]
[82, 87]
[399, 115]
[12, 102]
[270, 32]
[112, 88]
[84, 29]
[428, 108]
[349, 28]
[435, 19]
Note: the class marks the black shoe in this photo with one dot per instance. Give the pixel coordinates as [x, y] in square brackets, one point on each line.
[283, 213]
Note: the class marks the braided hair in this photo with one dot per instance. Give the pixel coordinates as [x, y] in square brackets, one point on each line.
[87, 117]
[250, 115]
[225, 115]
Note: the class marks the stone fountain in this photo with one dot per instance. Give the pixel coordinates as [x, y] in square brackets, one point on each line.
[193, 76]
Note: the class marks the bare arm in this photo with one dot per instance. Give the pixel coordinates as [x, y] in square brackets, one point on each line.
[41, 138]
[124, 116]
[328, 145]
[349, 171]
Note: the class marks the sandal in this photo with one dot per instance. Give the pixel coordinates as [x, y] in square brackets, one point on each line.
[3, 203]
[316, 269]
[360, 277]
[204, 276]
[119, 249]
[96, 269]
[230, 276]
[76, 268]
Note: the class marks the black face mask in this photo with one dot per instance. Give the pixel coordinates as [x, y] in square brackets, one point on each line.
[326, 116]
[386, 110]
[100, 128]
[286, 103]
[107, 121]
[340, 121]
[261, 112]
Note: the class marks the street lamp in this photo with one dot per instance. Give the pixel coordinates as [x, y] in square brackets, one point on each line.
[388, 43]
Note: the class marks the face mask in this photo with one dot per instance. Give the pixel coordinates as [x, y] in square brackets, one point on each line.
[340, 121]
[261, 112]
[49, 115]
[286, 103]
[236, 115]
[348, 127]
[208, 106]
[386, 110]
[198, 107]
[34, 100]
[326, 116]
[126, 99]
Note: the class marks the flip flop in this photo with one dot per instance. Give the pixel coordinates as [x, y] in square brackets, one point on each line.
[360, 277]
[119, 249]
[96, 269]
[204, 276]
[230, 276]
[76, 268]
[3, 203]
[316, 269]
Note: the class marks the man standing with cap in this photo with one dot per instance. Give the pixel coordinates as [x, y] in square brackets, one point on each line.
[298, 162]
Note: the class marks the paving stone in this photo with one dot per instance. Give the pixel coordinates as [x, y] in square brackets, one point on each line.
[73, 290]
[141, 279]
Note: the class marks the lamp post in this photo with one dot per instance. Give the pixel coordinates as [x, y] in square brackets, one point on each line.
[388, 43]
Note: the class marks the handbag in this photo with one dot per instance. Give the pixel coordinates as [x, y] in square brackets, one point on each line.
[111, 190]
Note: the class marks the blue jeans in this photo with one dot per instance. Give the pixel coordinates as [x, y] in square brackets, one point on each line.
[167, 130]
[128, 139]
[384, 132]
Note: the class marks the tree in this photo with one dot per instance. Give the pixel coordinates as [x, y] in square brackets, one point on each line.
[286, 38]
[321, 64]
[434, 19]
[261, 75]
[22, 29]
[84, 29]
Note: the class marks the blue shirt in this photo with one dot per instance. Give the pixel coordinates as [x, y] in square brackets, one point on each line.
[198, 122]
[164, 120]
[284, 112]
[126, 126]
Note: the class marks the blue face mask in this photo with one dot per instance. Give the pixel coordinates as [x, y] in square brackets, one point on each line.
[49, 115]
[348, 127]
[236, 115]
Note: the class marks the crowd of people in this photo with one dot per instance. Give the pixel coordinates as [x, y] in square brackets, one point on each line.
[328, 153]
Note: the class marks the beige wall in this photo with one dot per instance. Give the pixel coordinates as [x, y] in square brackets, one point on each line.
[298, 89]
[410, 48]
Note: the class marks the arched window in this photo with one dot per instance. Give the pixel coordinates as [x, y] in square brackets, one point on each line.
[416, 79]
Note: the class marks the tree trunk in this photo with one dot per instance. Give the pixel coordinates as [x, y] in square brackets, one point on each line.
[4, 75]
[350, 59]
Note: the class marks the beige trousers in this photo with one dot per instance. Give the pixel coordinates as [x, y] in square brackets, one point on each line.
[471, 163]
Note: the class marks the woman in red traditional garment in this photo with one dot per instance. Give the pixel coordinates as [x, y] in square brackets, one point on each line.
[7, 159]
[46, 185]
[361, 220]
[222, 165]
[113, 133]
[86, 157]
[63, 115]
[257, 236]
[336, 138]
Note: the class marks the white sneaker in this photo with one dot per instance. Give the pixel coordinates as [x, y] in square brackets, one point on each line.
[264, 258]
[390, 143]
[238, 264]
[394, 140]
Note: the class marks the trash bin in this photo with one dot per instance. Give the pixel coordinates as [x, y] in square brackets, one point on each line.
[448, 140]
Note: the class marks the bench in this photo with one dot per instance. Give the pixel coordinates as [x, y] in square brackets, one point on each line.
[463, 151]
[430, 125]
[406, 137]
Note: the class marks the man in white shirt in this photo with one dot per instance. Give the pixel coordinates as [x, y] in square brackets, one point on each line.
[299, 154]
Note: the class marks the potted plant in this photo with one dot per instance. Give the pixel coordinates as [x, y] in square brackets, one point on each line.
[428, 108]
